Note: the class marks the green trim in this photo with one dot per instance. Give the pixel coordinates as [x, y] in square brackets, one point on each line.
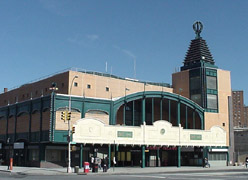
[133, 112]
[211, 72]
[152, 110]
[178, 113]
[179, 156]
[60, 136]
[193, 119]
[143, 156]
[143, 110]
[186, 117]
[109, 155]
[169, 111]
[161, 108]
[124, 114]
[212, 91]
[81, 156]
[211, 110]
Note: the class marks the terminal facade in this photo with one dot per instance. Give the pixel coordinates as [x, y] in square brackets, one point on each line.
[139, 123]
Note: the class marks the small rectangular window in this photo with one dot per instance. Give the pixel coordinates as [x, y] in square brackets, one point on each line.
[223, 124]
[75, 84]
[211, 101]
[211, 82]
[107, 88]
[88, 86]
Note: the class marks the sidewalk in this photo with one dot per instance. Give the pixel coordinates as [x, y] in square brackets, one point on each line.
[117, 170]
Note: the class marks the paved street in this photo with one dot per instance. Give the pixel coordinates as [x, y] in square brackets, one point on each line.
[215, 174]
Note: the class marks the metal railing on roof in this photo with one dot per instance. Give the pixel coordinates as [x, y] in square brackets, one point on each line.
[88, 72]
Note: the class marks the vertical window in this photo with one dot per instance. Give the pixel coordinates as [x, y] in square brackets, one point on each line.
[212, 101]
[88, 86]
[75, 84]
[211, 82]
[107, 88]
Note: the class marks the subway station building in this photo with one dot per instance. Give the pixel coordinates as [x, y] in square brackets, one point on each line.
[139, 123]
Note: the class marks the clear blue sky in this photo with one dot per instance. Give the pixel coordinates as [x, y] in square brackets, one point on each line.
[41, 37]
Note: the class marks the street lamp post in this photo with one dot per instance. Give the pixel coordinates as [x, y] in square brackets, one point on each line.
[69, 129]
[8, 142]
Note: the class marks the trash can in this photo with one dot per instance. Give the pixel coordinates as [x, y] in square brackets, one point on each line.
[76, 169]
[95, 168]
[86, 167]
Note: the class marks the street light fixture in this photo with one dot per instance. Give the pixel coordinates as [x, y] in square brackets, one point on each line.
[69, 128]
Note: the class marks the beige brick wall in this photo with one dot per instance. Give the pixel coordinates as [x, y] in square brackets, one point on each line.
[63, 125]
[99, 83]
[35, 90]
[64, 83]
[104, 117]
[224, 90]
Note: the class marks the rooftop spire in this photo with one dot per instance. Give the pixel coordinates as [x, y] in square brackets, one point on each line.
[198, 51]
[197, 26]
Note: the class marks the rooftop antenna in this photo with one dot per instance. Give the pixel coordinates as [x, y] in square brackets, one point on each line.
[134, 68]
[106, 67]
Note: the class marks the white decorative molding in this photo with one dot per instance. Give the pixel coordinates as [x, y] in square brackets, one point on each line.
[94, 131]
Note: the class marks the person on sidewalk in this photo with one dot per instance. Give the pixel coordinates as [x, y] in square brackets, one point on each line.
[99, 163]
[246, 162]
[206, 163]
[104, 165]
[107, 162]
[92, 162]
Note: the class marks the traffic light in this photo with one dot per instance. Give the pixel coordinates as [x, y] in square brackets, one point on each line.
[68, 115]
[63, 114]
[73, 130]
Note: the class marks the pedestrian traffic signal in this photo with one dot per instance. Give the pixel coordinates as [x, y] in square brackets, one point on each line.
[63, 115]
[68, 115]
